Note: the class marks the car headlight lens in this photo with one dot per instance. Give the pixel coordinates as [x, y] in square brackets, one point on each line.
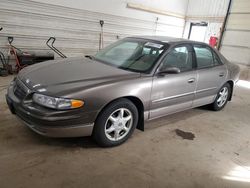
[57, 103]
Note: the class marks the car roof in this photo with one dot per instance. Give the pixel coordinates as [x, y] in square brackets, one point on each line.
[166, 39]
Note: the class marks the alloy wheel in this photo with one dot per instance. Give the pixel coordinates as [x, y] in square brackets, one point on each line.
[223, 95]
[118, 124]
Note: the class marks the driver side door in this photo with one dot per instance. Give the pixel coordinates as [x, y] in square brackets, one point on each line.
[174, 92]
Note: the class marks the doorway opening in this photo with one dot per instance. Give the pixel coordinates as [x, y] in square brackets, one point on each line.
[197, 31]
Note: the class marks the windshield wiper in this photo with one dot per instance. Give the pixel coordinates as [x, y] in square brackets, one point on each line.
[139, 57]
[129, 69]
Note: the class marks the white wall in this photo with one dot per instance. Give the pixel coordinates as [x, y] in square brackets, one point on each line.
[118, 7]
[236, 39]
[210, 11]
[205, 8]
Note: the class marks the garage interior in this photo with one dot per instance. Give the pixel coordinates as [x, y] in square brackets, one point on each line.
[194, 148]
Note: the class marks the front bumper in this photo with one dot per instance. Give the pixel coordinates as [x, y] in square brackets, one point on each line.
[51, 123]
[72, 131]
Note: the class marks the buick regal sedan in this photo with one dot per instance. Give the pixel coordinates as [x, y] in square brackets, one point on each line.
[110, 94]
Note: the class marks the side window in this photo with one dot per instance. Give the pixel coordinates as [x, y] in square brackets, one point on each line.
[216, 59]
[204, 57]
[179, 57]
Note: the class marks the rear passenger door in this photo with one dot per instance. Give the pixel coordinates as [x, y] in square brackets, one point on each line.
[211, 75]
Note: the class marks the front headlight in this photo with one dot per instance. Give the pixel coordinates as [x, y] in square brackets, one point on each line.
[57, 103]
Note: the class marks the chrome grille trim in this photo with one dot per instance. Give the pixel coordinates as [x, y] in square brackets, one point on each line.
[20, 90]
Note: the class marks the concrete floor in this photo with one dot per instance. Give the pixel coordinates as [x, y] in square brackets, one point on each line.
[218, 156]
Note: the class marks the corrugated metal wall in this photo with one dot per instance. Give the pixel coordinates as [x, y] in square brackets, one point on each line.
[236, 40]
[77, 31]
[207, 8]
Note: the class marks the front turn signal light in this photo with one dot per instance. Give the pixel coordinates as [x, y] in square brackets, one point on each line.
[76, 103]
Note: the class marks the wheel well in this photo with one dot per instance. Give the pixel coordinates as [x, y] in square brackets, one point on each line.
[231, 83]
[139, 105]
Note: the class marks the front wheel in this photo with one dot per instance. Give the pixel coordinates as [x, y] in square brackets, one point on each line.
[116, 123]
[222, 97]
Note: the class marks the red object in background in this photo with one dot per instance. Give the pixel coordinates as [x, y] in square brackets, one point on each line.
[213, 41]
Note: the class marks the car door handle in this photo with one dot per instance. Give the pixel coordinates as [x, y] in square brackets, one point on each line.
[221, 74]
[191, 80]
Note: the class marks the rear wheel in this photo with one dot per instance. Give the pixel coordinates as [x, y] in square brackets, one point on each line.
[116, 123]
[222, 97]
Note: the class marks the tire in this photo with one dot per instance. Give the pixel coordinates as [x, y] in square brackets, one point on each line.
[221, 100]
[116, 123]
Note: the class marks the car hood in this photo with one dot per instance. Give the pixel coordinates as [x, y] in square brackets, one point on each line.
[58, 77]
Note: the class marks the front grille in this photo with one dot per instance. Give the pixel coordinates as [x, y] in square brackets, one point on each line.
[20, 90]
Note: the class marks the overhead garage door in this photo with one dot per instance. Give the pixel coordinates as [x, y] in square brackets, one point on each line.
[236, 40]
[77, 31]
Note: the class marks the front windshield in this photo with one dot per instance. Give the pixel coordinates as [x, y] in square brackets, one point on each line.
[132, 54]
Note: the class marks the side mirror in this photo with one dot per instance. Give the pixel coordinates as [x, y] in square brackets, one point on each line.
[169, 70]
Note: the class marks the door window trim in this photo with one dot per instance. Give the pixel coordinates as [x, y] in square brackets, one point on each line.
[218, 57]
